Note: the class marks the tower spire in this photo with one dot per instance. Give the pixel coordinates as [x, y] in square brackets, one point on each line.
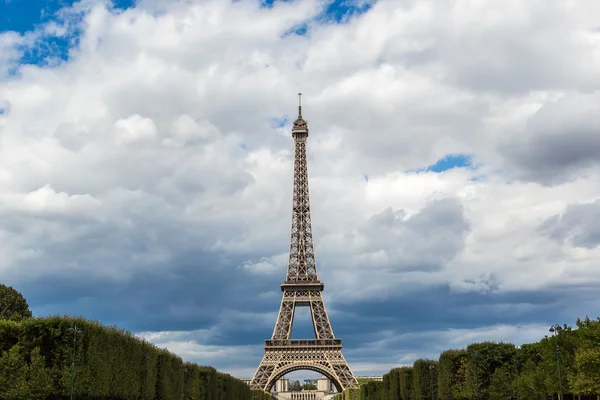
[300, 127]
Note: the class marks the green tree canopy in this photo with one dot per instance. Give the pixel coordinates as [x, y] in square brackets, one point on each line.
[452, 375]
[13, 305]
[586, 377]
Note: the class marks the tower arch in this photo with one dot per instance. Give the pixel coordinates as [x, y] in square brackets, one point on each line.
[298, 367]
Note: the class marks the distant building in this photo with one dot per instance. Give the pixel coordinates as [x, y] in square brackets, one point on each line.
[282, 385]
[373, 378]
[324, 385]
[325, 388]
[303, 395]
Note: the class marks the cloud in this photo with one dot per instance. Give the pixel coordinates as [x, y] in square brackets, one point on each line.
[576, 225]
[426, 241]
[268, 265]
[134, 129]
[562, 140]
[146, 169]
[452, 338]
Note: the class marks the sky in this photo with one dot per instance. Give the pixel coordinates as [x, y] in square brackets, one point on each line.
[146, 165]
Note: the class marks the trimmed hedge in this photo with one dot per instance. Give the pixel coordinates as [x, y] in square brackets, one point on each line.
[452, 375]
[349, 394]
[424, 382]
[111, 364]
[372, 390]
[405, 375]
[392, 383]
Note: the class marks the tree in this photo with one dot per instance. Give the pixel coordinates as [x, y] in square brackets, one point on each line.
[424, 380]
[484, 358]
[13, 305]
[502, 386]
[461, 388]
[586, 377]
[530, 382]
[392, 384]
[451, 377]
[406, 385]
[558, 350]
[40, 381]
[13, 375]
[309, 386]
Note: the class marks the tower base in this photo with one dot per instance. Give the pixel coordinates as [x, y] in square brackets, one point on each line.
[323, 356]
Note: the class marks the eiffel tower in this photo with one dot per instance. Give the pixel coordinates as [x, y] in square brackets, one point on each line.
[302, 288]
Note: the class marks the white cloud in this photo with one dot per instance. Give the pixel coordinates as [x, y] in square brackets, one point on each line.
[134, 129]
[269, 265]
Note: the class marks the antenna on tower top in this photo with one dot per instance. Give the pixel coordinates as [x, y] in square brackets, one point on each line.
[299, 105]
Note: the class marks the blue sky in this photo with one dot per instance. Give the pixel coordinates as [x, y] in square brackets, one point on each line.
[24, 15]
[146, 175]
[450, 161]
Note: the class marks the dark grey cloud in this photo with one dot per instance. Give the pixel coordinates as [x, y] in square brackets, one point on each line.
[560, 140]
[578, 225]
[194, 294]
[425, 241]
[398, 330]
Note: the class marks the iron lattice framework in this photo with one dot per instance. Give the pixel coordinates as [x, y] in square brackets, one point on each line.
[302, 288]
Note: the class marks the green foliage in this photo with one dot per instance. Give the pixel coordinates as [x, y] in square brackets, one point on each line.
[355, 393]
[561, 346]
[405, 375]
[499, 371]
[372, 390]
[13, 305]
[309, 386]
[36, 357]
[424, 380]
[386, 385]
[352, 394]
[39, 379]
[585, 376]
[483, 360]
[260, 395]
[452, 375]
[490, 371]
[502, 383]
[9, 334]
[391, 381]
[13, 375]
[530, 383]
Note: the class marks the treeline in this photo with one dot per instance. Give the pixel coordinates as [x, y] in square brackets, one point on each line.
[500, 371]
[36, 358]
